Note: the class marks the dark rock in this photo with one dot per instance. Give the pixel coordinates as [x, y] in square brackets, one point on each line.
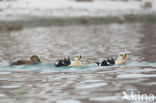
[147, 4]
[12, 27]
[85, 19]
[9, 27]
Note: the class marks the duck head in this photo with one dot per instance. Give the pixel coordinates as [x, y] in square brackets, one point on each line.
[122, 56]
[78, 58]
[35, 59]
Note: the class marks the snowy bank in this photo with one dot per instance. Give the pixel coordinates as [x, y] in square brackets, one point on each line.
[21, 9]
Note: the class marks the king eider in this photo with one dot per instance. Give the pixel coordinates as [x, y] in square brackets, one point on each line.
[33, 60]
[111, 61]
[68, 62]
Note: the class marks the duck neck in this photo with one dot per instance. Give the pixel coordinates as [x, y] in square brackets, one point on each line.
[76, 59]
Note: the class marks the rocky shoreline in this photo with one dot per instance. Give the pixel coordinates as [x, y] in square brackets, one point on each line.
[37, 22]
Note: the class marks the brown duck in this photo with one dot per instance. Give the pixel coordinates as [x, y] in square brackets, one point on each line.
[33, 60]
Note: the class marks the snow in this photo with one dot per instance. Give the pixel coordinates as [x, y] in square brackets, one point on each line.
[71, 8]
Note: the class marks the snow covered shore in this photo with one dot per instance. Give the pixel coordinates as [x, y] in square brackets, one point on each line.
[21, 9]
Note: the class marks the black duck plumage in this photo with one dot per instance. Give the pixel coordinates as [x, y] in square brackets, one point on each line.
[108, 62]
[64, 62]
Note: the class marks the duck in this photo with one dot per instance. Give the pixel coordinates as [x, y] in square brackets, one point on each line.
[111, 61]
[68, 62]
[34, 59]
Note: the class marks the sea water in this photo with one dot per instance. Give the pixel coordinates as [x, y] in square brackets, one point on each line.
[90, 83]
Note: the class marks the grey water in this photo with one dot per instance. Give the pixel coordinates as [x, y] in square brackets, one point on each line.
[90, 83]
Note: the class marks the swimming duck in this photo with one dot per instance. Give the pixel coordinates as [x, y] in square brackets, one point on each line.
[68, 62]
[111, 61]
[33, 60]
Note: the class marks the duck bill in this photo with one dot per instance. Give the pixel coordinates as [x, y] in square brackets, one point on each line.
[124, 56]
[79, 57]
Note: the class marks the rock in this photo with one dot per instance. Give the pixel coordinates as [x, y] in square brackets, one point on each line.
[12, 27]
[1, 9]
[2, 26]
[85, 19]
[121, 19]
[9, 27]
[147, 4]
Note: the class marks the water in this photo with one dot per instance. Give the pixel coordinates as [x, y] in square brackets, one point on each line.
[87, 84]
